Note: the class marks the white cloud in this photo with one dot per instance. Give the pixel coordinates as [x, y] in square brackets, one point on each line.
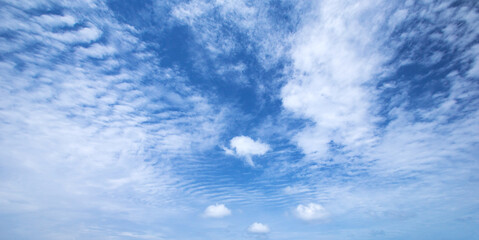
[334, 54]
[56, 20]
[228, 151]
[310, 212]
[217, 211]
[337, 91]
[246, 147]
[97, 50]
[258, 228]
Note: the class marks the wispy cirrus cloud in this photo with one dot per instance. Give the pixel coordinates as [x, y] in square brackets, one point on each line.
[81, 128]
[236, 28]
[367, 121]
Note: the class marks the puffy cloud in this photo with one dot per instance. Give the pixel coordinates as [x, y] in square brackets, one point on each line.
[310, 212]
[258, 228]
[246, 147]
[217, 211]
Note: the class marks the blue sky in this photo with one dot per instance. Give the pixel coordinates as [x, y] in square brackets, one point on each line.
[232, 119]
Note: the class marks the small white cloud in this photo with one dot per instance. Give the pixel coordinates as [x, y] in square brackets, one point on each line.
[217, 211]
[310, 212]
[258, 228]
[246, 147]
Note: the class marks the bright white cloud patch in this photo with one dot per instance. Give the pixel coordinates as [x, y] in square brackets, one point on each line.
[246, 147]
[310, 212]
[335, 54]
[258, 228]
[217, 211]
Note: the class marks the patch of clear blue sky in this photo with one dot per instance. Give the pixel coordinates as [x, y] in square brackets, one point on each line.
[175, 44]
